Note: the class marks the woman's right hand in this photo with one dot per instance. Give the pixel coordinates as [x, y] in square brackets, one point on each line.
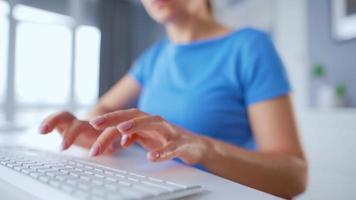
[75, 131]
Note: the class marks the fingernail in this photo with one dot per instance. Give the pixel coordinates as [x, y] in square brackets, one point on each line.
[95, 150]
[125, 126]
[124, 139]
[97, 121]
[155, 155]
[64, 145]
[43, 129]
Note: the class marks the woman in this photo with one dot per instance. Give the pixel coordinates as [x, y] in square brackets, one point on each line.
[207, 95]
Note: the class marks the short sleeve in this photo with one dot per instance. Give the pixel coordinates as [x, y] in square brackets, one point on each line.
[142, 67]
[264, 76]
[137, 71]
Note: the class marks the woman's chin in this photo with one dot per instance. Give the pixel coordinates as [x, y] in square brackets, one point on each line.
[166, 18]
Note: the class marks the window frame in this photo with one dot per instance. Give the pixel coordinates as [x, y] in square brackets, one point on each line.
[4, 15]
[10, 108]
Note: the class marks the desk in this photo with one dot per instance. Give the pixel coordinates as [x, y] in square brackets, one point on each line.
[134, 159]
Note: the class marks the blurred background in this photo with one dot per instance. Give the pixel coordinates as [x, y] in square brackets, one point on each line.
[64, 54]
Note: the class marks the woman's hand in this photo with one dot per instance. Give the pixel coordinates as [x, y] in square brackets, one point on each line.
[74, 130]
[162, 140]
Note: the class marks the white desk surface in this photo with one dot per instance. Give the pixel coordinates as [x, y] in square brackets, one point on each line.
[134, 159]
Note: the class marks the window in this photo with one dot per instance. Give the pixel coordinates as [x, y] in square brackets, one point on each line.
[4, 35]
[43, 64]
[34, 15]
[86, 64]
[56, 63]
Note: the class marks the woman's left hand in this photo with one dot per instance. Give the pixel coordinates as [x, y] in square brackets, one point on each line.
[162, 140]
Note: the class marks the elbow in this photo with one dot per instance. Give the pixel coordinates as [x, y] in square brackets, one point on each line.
[298, 181]
[298, 188]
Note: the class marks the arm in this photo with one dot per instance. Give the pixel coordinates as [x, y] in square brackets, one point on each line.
[279, 166]
[121, 96]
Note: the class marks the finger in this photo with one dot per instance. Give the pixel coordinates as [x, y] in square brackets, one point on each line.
[71, 134]
[128, 140]
[115, 145]
[114, 118]
[168, 152]
[180, 149]
[144, 126]
[146, 143]
[54, 121]
[104, 140]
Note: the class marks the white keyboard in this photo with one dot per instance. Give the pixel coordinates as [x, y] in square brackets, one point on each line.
[85, 180]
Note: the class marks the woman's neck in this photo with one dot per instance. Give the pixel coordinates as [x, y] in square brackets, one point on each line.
[190, 29]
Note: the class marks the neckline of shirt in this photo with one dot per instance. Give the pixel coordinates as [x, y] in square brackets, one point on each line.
[202, 42]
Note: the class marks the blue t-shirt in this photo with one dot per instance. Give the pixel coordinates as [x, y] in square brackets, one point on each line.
[207, 86]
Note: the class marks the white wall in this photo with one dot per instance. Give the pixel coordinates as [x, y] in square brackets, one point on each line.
[329, 141]
[239, 13]
[290, 25]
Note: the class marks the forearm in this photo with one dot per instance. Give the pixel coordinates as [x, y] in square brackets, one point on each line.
[98, 110]
[279, 174]
[120, 96]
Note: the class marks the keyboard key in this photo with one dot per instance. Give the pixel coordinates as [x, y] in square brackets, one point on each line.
[10, 165]
[98, 182]
[98, 192]
[119, 196]
[89, 172]
[110, 179]
[69, 167]
[137, 175]
[121, 171]
[81, 194]
[98, 170]
[120, 175]
[89, 167]
[176, 184]
[64, 171]
[132, 179]
[155, 179]
[124, 183]
[43, 179]
[132, 192]
[84, 187]
[3, 162]
[111, 187]
[35, 174]
[79, 165]
[78, 170]
[27, 171]
[98, 175]
[50, 174]
[73, 175]
[109, 173]
[164, 187]
[67, 189]
[150, 189]
[71, 182]
[55, 183]
[60, 178]
[85, 178]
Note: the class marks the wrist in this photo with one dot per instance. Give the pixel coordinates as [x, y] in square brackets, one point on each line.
[208, 151]
[203, 148]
